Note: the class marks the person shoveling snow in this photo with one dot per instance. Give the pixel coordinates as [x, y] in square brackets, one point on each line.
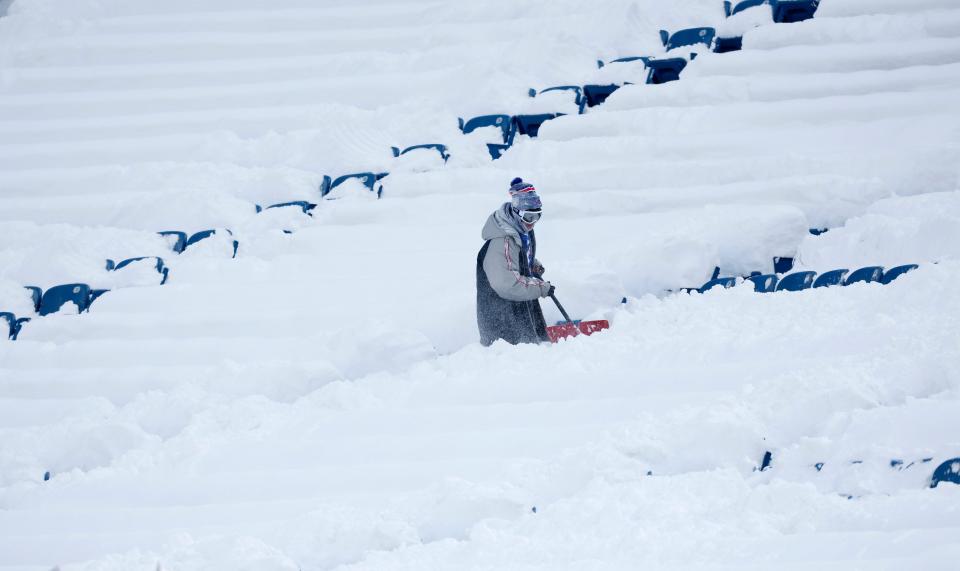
[508, 273]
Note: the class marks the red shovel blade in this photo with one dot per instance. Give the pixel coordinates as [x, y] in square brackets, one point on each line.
[564, 330]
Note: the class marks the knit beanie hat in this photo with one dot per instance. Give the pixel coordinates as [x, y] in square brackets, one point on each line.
[523, 196]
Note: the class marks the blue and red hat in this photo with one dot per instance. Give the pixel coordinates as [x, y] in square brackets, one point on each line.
[523, 196]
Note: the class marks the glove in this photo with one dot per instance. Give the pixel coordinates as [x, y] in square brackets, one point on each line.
[549, 291]
[538, 269]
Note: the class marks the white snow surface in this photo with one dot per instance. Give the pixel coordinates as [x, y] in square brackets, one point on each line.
[321, 401]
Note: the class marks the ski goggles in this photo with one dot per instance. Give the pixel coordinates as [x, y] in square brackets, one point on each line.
[530, 216]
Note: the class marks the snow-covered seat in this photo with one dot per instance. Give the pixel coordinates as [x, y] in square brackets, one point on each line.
[368, 179]
[594, 95]
[303, 205]
[782, 265]
[664, 70]
[179, 242]
[576, 90]
[894, 273]
[790, 11]
[687, 37]
[730, 9]
[831, 278]
[865, 275]
[501, 122]
[204, 234]
[442, 149]
[723, 45]
[796, 281]
[948, 471]
[718, 282]
[55, 298]
[764, 283]
[529, 125]
[14, 324]
[161, 268]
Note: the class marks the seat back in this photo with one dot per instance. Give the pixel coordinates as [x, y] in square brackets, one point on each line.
[199, 236]
[181, 239]
[502, 122]
[35, 295]
[790, 11]
[782, 265]
[726, 45]
[496, 151]
[594, 95]
[865, 275]
[948, 471]
[664, 70]
[529, 125]
[796, 281]
[831, 278]
[765, 283]
[160, 266]
[54, 298]
[718, 282]
[575, 89]
[305, 206]
[688, 37]
[894, 273]
[741, 6]
[442, 149]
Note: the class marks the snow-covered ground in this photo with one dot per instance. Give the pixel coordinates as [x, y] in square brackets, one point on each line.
[321, 400]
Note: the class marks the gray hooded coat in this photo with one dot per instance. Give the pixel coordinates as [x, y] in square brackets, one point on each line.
[507, 290]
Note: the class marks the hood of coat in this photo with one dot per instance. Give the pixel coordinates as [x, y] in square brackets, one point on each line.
[502, 223]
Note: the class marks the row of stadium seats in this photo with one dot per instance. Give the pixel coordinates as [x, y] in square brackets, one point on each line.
[946, 471]
[51, 301]
[659, 70]
[82, 295]
[798, 281]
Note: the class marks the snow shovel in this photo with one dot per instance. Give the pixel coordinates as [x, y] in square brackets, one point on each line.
[573, 328]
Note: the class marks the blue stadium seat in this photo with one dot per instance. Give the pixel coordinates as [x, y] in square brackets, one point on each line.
[818, 231]
[726, 45]
[35, 294]
[865, 275]
[55, 297]
[442, 149]
[894, 273]
[502, 122]
[305, 206]
[796, 281]
[688, 37]
[594, 95]
[664, 70]
[576, 90]
[765, 283]
[730, 9]
[948, 471]
[201, 235]
[831, 278]
[368, 179]
[161, 268]
[627, 59]
[13, 324]
[782, 265]
[181, 242]
[206, 234]
[790, 11]
[721, 282]
[529, 125]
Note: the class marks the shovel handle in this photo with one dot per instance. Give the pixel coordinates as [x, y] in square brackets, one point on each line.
[560, 307]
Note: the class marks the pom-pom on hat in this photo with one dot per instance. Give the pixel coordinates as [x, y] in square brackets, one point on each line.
[523, 196]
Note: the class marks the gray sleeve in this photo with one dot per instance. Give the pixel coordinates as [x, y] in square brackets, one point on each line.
[502, 266]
